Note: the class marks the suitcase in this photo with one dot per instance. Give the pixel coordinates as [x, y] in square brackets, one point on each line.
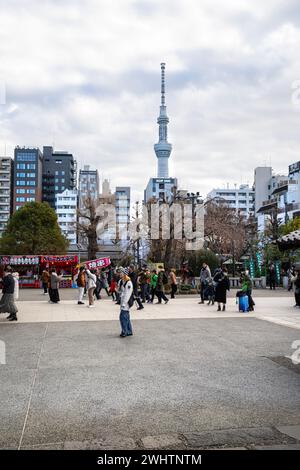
[243, 303]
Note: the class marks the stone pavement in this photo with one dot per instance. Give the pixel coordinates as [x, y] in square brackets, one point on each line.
[180, 382]
[277, 310]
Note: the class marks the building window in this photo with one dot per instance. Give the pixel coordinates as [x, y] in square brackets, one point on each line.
[21, 183]
[20, 191]
[21, 166]
[56, 188]
[21, 175]
[25, 157]
[30, 183]
[31, 166]
[20, 199]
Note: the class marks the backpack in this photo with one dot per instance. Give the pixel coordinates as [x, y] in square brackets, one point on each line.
[131, 299]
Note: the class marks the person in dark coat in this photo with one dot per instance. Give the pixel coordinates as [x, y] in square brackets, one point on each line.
[272, 277]
[222, 286]
[134, 279]
[7, 302]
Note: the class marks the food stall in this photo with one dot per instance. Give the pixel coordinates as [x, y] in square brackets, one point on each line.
[27, 267]
[31, 267]
[65, 265]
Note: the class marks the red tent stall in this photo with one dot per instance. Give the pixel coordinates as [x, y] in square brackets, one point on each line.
[31, 267]
[27, 267]
[66, 265]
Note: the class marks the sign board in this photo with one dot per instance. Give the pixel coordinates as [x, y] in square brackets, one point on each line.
[98, 263]
[19, 260]
[59, 259]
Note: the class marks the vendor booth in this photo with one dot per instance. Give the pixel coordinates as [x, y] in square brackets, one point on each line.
[30, 268]
[65, 266]
[27, 267]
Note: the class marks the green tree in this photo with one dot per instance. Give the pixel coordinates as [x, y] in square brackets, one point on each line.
[33, 230]
[197, 258]
[290, 226]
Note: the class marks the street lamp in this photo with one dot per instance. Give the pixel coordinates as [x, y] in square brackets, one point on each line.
[79, 247]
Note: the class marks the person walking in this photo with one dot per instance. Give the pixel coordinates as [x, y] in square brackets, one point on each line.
[222, 285]
[173, 283]
[54, 283]
[104, 282]
[92, 279]
[295, 280]
[153, 284]
[97, 291]
[45, 280]
[210, 291]
[80, 279]
[15, 275]
[7, 302]
[162, 280]
[112, 288]
[272, 277]
[247, 289]
[126, 303]
[144, 278]
[205, 274]
[134, 279]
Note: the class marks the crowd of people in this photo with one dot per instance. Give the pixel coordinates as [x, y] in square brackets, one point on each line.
[129, 286]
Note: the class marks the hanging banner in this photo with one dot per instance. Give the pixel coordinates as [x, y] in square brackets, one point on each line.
[19, 260]
[98, 263]
[59, 259]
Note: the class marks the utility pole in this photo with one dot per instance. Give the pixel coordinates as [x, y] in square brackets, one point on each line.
[137, 229]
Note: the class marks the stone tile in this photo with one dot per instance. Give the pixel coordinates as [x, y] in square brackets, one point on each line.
[110, 443]
[14, 396]
[164, 441]
[292, 431]
[234, 437]
[54, 446]
[279, 447]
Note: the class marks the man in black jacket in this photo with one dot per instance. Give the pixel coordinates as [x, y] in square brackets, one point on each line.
[7, 303]
[134, 279]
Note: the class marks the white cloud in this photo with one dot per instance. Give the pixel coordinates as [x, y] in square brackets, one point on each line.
[86, 75]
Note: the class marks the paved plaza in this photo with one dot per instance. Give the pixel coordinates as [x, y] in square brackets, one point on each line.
[190, 377]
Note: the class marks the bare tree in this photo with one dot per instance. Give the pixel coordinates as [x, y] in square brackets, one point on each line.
[87, 223]
[225, 230]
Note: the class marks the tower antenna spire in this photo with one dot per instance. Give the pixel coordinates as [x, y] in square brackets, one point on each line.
[163, 148]
[163, 99]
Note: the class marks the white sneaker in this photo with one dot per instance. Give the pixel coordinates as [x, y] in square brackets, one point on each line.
[91, 306]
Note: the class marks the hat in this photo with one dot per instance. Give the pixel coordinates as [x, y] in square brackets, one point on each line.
[123, 271]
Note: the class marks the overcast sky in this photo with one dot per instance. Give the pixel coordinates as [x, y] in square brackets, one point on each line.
[85, 75]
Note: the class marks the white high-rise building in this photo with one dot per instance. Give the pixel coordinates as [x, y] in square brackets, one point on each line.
[66, 210]
[5, 191]
[239, 199]
[122, 202]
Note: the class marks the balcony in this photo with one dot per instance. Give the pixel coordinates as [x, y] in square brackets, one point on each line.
[267, 206]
